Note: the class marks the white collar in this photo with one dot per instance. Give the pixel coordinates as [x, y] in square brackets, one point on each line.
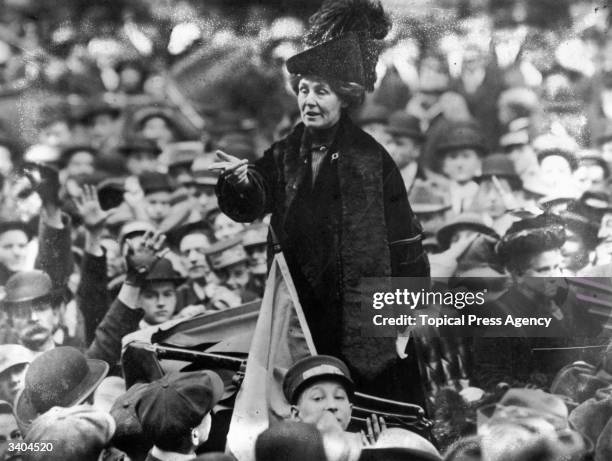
[170, 455]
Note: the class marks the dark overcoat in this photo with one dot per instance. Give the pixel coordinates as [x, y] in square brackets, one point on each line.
[354, 221]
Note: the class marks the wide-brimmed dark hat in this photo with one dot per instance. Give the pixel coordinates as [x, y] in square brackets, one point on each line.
[27, 287]
[461, 135]
[138, 144]
[501, 166]
[470, 221]
[61, 377]
[403, 124]
[162, 271]
[337, 59]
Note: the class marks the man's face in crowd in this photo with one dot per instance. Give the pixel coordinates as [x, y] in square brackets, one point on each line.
[158, 300]
[193, 253]
[235, 277]
[225, 227]
[8, 432]
[140, 162]
[158, 205]
[461, 165]
[258, 259]
[115, 263]
[104, 127]
[542, 272]
[6, 164]
[13, 249]
[323, 396]
[157, 129]
[404, 150]
[12, 381]
[207, 199]
[35, 323]
[57, 134]
[574, 252]
[81, 163]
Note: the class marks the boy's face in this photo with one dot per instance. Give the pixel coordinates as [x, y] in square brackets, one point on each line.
[158, 205]
[236, 276]
[140, 162]
[321, 397]
[158, 300]
[404, 150]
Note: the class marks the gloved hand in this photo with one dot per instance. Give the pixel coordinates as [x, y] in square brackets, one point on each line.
[143, 255]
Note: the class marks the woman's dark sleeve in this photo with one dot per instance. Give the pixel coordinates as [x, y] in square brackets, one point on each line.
[119, 321]
[253, 201]
[404, 231]
[92, 295]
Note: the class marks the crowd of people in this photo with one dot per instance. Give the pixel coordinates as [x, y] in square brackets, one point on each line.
[117, 214]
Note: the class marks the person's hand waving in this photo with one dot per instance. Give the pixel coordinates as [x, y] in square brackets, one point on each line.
[233, 169]
[89, 208]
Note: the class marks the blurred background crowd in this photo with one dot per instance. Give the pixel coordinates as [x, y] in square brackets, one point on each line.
[495, 112]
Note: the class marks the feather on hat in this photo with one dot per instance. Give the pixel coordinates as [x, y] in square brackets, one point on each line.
[336, 19]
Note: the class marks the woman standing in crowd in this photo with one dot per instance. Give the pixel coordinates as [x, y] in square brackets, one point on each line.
[339, 206]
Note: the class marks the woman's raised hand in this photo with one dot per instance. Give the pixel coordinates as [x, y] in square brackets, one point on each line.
[232, 168]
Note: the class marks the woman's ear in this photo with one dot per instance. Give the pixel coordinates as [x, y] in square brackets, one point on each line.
[195, 437]
[295, 413]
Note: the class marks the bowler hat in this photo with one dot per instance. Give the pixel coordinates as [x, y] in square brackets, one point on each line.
[336, 59]
[12, 355]
[403, 124]
[138, 144]
[173, 405]
[152, 181]
[162, 271]
[461, 135]
[315, 368]
[27, 287]
[290, 441]
[60, 377]
[226, 253]
[501, 166]
[470, 221]
[78, 433]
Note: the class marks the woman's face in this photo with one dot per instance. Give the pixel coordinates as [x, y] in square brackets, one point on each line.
[461, 165]
[320, 107]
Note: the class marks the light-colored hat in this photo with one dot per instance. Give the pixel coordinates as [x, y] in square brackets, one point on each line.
[14, 354]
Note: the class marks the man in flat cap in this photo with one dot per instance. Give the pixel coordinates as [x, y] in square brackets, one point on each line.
[175, 413]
